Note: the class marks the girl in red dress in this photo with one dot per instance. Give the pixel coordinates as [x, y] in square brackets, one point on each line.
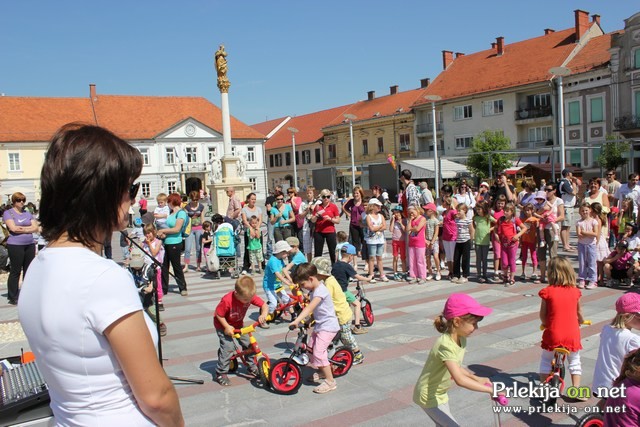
[561, 316]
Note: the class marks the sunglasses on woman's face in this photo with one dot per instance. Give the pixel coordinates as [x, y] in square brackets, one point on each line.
[133, 190]
[21, 200]
[326, 197]
[549, 189]
[279, 200]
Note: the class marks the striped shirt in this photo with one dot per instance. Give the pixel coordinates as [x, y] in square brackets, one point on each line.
[463, 230]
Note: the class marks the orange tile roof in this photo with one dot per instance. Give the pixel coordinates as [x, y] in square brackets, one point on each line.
[130, 117]
[521, 63]
[267, 127]
[383, 106]
[37, 119]
[594, 55]
[309, 128]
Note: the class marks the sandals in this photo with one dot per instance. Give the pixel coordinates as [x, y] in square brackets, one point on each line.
[325, 387]
[223, 380]
[315, 378]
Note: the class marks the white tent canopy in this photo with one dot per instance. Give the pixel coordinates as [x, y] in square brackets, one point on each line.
[424, 168]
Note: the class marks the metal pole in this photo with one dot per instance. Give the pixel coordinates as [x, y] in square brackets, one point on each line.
[436, 169]
[561, 123]
[353, 166]
[295, 166]
[490, 166]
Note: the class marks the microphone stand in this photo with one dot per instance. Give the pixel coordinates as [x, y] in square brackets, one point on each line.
[157, 306]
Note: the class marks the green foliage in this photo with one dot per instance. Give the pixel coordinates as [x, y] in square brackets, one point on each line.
[484, 148]
[613, 152]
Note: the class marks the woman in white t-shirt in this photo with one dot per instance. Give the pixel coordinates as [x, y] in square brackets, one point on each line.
[81, 313]
[551, 245]
[464, 195]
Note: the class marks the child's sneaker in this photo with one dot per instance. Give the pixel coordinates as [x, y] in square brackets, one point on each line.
[438, 277]
[463, 280]
[223, 379]
[455, 280]
[542, 244]
[581, 284]
[591, 285]
[358, 358]
[429, 278]
[358, 330]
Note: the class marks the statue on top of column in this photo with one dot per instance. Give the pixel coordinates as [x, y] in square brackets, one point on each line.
[221, 69]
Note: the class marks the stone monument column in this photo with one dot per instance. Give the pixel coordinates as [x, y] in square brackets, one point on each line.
[228, 171]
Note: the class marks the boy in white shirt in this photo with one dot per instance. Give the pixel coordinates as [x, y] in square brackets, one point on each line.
[161, 212]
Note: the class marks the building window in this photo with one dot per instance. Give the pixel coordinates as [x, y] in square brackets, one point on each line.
[170, 156]
[251, 154]
[234, 151]
[191, 154]
[637, 96]
[365, 147]
[171, 187]
[318, 155]
[278, 158]
[331, 149]
[491, 108]
[297, 162]
[542, 133]
[14, 162]
[463, 142]
[254, 184]
[576, 158]
[636, 59]
[145, 187]
[574, 113]
[405, 142]
[145, 156]
[349, 147]
[462, 112]
[306, 157]
[596, 110]
[539, 100]
[287, 159]
[271, 160]
[380, 144]
[211, 153]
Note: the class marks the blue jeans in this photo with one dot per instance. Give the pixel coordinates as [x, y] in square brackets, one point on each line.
[587, 262]
[188, 244]
[272, 298]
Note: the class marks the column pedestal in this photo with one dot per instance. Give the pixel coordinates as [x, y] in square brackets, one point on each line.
[218, 190]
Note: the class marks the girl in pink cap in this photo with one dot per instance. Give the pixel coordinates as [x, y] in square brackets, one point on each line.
[458, 320]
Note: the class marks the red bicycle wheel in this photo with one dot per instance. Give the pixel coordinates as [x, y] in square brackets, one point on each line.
[341, 361]
[367, 312]
[591, 420]
[285, 377]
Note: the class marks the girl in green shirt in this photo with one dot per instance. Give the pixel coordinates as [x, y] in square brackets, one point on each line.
[483, 223]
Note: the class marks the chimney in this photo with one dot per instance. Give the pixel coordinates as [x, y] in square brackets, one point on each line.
[459, 54]
[92, 92]
[548, 31]
[393, 90]
[424, 83]
[595, 18]
[582, 23]
[447, 59]
[371, 94]
[500, 45]
[493, 46]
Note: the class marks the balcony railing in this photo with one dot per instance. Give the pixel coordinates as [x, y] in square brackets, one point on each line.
[193, 167]
[534, 144]
[533, 113]
[628, 122]
[428, 127]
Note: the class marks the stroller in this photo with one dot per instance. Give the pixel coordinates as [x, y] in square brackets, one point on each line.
[226, 242]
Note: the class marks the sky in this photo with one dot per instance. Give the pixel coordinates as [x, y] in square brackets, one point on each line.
[284, 57]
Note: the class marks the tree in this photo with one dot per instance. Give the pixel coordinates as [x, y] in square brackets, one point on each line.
[611, 156]
[485, 149]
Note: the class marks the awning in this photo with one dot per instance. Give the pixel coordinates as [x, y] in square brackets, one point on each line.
[424, 168]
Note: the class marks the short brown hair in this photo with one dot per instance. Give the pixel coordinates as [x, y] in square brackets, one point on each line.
[161, 197]
[194, 195]
[245, 287]
[87, 173]
[304, 271]
[18, 195]
[342, 236]
[150, 228]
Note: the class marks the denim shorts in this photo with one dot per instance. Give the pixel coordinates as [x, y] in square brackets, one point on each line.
[375, 250]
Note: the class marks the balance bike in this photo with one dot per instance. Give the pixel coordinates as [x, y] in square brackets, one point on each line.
[286, 374]
[365, 304]
[296, 300]
[261, 360]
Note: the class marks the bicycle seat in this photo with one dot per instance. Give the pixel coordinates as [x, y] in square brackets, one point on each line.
[561, 350]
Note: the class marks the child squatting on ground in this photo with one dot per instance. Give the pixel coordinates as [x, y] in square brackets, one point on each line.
[561, 316]
[616, 340]
[458, 320]
[326, 324]
[229, 315]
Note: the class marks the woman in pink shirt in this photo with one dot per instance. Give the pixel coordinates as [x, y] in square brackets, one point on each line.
[449, 232]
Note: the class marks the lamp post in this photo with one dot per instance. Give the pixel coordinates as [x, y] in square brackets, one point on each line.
[350, 117]
[295, 166]
[436, 169]
[560, 72]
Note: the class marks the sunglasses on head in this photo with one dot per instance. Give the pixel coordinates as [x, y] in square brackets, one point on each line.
[133, 190]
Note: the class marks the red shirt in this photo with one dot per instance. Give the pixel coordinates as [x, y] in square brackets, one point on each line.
[233, 310]
[507, 229]
[326, 225]
[563, 329]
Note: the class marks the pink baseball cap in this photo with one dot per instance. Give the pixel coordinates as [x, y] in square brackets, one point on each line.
[430, 207]
[462, 304]
[628, 303]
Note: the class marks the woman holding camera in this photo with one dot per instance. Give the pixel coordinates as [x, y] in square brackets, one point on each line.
[81, 313]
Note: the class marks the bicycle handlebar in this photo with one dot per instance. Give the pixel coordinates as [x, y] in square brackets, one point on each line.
[501, 399]
[584, 323]
[246, 330]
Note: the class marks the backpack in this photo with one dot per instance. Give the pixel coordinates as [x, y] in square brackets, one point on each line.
[186, 226]
[384, 210]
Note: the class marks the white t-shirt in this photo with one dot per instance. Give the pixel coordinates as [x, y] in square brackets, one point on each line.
[614, 345]
[377, 237]
[68, 299]
[554, 208]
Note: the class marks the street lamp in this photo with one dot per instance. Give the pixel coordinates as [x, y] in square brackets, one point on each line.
[350, 117]
[295, 167]
[433, 99]
[560, 72]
